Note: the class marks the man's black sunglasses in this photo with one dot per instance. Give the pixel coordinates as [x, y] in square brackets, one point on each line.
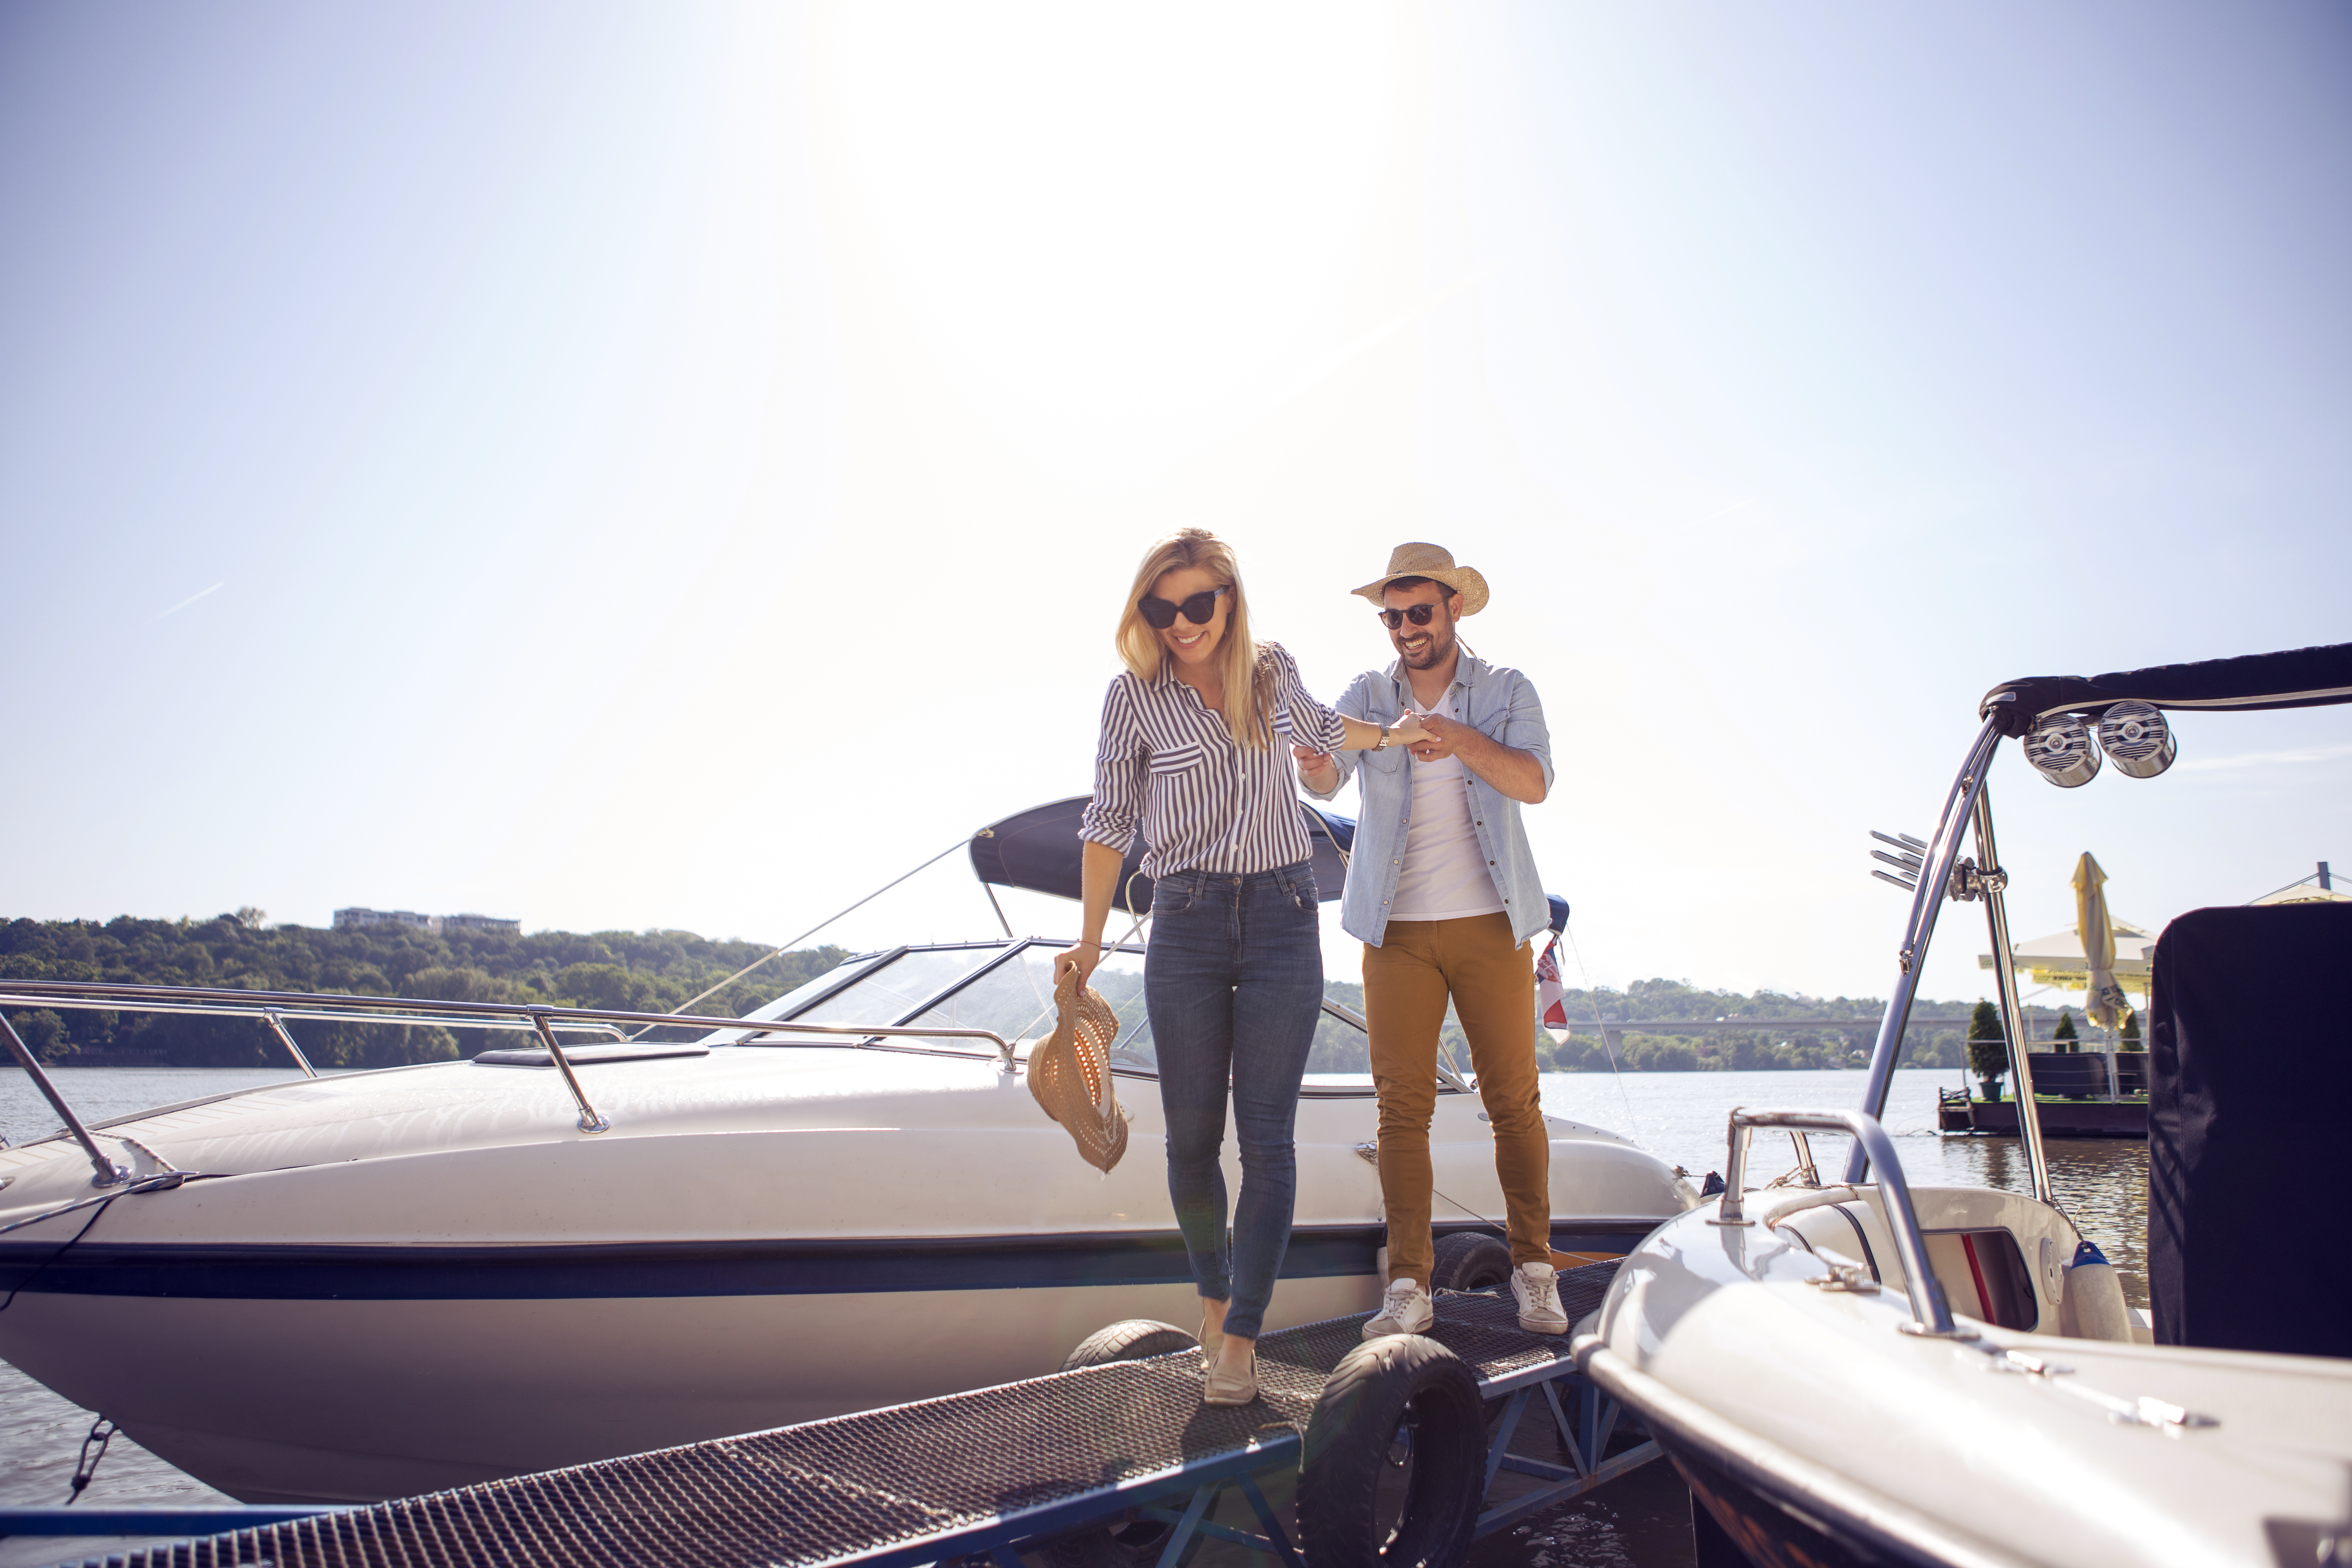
[1196, 609]
[1417, 614]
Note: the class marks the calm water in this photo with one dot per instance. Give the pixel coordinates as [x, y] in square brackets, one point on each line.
[1678, 1116]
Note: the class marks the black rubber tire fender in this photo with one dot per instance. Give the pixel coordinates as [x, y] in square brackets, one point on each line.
[1397, 1393]
[1133, 1339]
[1127, 1541]
[1470, 1260]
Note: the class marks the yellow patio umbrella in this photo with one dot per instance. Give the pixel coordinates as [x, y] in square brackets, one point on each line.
[2103, 999]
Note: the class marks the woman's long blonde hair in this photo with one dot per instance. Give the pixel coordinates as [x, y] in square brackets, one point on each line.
[1248, 678]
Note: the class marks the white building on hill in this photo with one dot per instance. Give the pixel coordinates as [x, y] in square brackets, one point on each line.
[352, 919]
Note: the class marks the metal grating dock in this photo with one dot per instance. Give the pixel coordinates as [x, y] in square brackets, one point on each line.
[899, 1485]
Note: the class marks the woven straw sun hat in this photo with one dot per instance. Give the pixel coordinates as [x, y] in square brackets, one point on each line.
[1070, 1073]
[1435, 562]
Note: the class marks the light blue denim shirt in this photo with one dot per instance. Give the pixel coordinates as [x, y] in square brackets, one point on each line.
[1498, 703]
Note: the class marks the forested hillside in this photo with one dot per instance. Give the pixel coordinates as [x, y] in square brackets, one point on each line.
[649, 972]
[653, 972]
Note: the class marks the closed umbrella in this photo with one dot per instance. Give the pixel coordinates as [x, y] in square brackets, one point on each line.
[2103, 999]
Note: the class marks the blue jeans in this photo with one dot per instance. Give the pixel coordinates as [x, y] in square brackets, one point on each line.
[1233, 982]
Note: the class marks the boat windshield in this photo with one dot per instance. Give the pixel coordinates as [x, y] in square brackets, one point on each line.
[1341, 1056]
[801, 995]
[1007, 988]
[1001, 986]
[1015, 999]
[897, 986]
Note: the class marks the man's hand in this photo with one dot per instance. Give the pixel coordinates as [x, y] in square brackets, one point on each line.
[1316, 769]
[1514, 773]
[1083, 958]
[1445, 736]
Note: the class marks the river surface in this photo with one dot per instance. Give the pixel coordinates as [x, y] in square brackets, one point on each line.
[2102, 1183]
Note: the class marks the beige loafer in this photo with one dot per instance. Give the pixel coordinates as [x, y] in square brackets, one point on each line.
[1225, 1388]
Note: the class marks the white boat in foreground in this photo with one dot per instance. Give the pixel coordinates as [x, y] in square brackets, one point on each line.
[381, 1283]
[1861, 1372]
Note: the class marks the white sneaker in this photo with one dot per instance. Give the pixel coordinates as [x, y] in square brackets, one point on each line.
[1536, 1288]
[1404, 1310]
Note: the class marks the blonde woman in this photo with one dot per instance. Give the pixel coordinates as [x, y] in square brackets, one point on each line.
[1232, 976]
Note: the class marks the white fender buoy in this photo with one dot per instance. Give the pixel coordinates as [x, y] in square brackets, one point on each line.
[2093, 1307]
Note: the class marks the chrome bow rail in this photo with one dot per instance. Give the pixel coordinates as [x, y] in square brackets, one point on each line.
[276, 1008]
[1929, 1315]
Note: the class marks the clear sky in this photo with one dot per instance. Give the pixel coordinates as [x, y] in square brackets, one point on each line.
[628, 466]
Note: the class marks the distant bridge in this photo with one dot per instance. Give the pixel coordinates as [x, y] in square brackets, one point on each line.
[1612, 1029]
[1863, 1030]
[1685, 1026]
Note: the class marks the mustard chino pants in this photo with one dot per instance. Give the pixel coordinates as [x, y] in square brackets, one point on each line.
[1491, 980]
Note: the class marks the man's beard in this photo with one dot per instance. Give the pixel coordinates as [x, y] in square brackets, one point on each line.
[1432, 653]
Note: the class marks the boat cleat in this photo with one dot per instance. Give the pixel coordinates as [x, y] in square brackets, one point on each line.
[2000, 1359]
[2172, 1418]
[1846, 1277]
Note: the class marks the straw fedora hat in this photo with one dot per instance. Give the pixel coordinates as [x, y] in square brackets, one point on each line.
[1435, 562]
[1070, 1074]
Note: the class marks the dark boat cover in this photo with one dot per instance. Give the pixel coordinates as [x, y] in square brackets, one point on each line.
[2249, 1243]
[2303, 677]
[1038, 850]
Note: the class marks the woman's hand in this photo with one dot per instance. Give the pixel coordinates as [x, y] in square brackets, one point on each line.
[1409, 731]
[1084, 957]
[1316, 769]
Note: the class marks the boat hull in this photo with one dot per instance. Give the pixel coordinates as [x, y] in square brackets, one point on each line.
[1814, 1430]
[471, 1292]
[1759, 1527]
[356, 1401]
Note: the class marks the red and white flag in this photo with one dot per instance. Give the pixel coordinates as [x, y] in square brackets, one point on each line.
[1551, 997]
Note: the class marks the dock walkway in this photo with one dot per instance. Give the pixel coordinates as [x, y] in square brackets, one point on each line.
[991, 1472]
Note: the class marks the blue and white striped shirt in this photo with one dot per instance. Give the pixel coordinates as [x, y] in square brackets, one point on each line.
[1204, 802]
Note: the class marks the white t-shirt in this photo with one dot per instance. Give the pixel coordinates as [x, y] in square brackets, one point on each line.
[1445, 876]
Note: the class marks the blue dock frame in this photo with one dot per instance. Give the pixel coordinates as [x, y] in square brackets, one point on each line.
[1537, 1377]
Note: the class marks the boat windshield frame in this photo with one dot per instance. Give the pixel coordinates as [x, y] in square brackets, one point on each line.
[2303, 678]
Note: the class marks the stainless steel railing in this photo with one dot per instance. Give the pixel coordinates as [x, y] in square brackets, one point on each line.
[1929, 1315]
[275, 1008]
[1945, 876]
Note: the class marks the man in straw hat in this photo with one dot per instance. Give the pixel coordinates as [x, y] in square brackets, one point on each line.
[1445, 897]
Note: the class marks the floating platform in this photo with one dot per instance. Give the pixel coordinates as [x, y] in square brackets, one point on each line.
[994, 1471]
[2060, 1118]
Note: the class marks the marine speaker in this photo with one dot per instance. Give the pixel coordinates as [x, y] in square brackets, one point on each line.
[2061, 749]
[2135, 739]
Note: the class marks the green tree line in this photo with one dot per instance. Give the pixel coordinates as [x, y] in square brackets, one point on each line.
[642, 972]
[1937, 1035]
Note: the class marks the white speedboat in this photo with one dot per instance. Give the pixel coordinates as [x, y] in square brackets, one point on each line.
[380, 1283]
[1859, 1372]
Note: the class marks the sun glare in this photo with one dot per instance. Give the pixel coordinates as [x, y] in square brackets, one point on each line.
[1113, 233]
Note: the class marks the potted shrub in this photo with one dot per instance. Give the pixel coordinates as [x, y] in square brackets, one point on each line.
[1987, 1050]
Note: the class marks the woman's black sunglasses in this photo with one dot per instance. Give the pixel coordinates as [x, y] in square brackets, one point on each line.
[1196, 609]
[1417, 614]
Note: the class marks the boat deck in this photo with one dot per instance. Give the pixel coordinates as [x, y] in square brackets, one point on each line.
[983, 1471]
